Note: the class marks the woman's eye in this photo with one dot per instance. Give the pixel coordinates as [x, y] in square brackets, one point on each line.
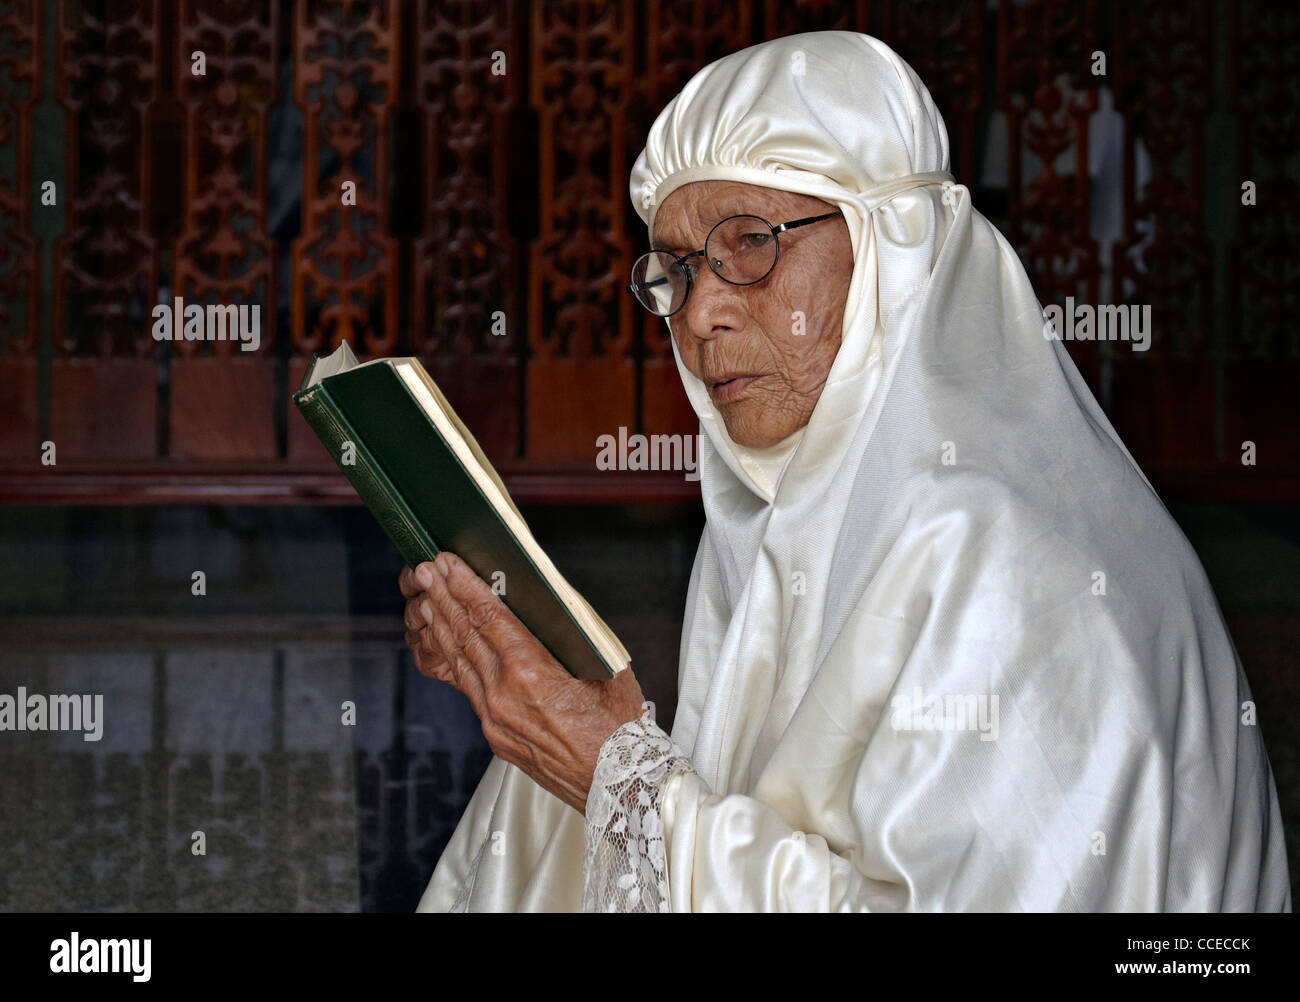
[750, 241]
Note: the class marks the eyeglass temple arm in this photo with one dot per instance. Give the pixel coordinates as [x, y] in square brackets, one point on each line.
[638, 286]
[804, 222]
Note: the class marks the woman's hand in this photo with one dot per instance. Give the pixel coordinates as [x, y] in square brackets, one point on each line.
[535, 715]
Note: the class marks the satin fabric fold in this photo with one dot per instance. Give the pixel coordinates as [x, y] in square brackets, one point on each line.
[952, 653]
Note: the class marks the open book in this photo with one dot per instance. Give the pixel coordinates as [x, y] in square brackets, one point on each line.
[419, 470]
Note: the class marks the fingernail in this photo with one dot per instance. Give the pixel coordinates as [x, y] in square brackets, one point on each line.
[423, 576]
[444, 566]
[426, 610]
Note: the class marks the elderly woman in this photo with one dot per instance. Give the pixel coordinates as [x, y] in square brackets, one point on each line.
[944, 649]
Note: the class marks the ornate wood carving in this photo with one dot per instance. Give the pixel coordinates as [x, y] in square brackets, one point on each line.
[1163, 399]
[467, 79]
[345, 273]
[783, 17]
[103, 381]
[943, 41]
[686, 37]
[223, 404]
[1164, 92]
[345, 80]
[20, 89]
[1047, 91]
[541, 154]
[1262, 338]
[581, 380]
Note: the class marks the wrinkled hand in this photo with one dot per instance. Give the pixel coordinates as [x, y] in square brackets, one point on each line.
[535, 715]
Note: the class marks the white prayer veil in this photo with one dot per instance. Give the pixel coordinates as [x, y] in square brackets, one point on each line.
[944, 649]
[958, 529]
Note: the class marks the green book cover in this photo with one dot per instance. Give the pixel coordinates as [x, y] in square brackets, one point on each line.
[415, 465]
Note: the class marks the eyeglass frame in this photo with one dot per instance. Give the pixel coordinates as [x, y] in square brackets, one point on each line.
[690, 282]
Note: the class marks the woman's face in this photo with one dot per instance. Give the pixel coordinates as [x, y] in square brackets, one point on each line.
[780, 335]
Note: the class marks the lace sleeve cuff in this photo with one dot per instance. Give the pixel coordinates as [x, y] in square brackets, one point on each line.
[625, 863]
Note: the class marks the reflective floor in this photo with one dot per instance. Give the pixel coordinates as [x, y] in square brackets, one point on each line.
[269, 745]
[266, 745]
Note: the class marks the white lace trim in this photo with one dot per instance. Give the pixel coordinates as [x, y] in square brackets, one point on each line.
[624, 866]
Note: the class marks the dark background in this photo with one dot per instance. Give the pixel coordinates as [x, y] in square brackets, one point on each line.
[480, 192]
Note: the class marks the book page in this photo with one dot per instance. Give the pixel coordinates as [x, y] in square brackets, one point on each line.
[339, 361]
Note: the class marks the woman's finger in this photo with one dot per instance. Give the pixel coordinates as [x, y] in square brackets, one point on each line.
[418, 613]
[442, 638]
[487, 613]
[460, 671]
[409, 580]
[469, 640]
[429, 661]
[429, 658]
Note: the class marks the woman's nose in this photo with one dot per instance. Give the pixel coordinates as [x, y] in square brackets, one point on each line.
[713, 306]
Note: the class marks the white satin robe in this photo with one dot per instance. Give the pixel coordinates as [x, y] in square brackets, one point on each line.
[958, 521]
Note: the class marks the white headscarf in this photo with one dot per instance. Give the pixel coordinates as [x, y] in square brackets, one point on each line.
[761, 116]
[957, 521]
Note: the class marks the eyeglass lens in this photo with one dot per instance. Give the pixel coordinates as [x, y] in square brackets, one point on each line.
[740, 249]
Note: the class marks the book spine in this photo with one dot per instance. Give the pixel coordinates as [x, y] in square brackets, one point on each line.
[366, 476]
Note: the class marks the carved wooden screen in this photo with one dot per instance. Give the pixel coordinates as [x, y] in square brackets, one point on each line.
[449, 180]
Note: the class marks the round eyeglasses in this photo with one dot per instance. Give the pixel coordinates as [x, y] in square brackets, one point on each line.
[741, 250]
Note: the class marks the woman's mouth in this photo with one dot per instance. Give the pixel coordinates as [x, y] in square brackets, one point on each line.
[726, 390]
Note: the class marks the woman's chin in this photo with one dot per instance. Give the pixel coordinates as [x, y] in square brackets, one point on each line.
[751, 437]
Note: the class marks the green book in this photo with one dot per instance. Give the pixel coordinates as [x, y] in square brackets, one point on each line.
[419, 470]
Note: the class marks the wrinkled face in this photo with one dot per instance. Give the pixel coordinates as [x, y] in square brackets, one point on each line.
[763, 351]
